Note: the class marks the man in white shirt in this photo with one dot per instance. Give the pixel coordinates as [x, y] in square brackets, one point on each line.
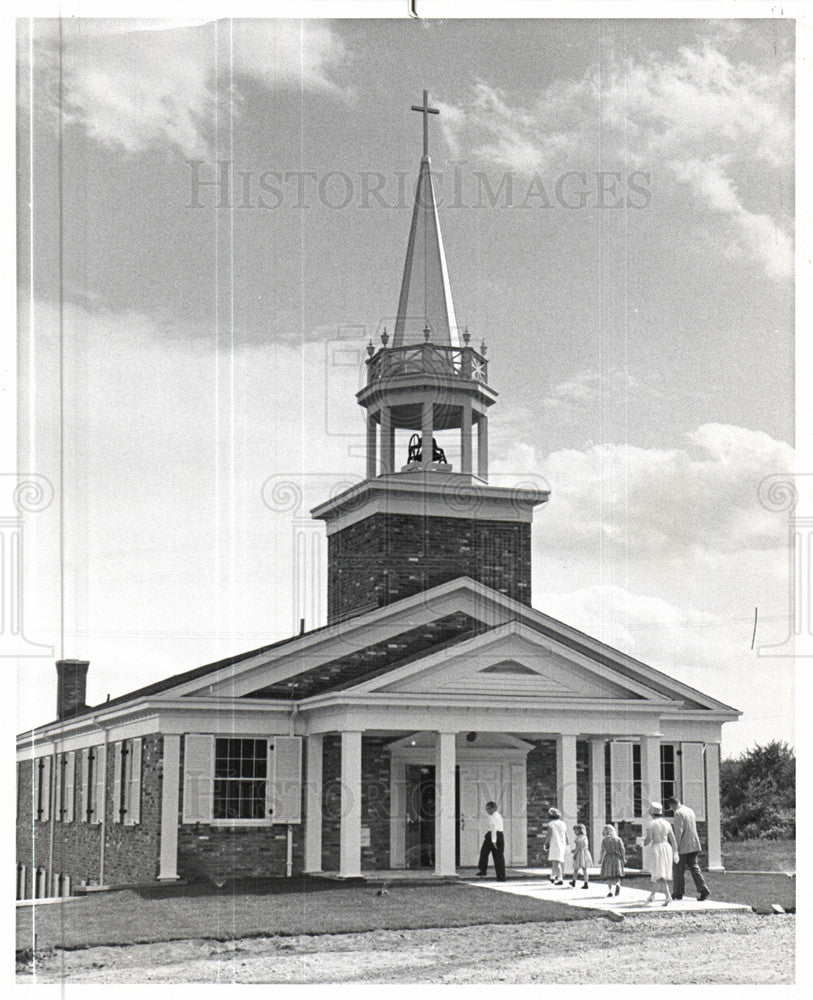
[493, 844]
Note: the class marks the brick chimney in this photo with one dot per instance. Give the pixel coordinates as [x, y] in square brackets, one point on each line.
[71, 687]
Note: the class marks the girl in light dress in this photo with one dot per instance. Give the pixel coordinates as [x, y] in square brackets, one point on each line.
[556, 846]
[663, 854]
[581, 855]
[613, 856]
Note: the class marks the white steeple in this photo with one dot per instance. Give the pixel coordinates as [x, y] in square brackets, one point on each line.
[426, 295]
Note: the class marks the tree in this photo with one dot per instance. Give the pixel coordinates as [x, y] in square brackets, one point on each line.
[758, 793]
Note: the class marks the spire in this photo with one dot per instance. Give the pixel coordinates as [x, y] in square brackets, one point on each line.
[426, 296]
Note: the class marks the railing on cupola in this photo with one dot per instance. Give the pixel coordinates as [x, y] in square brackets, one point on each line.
[427, 359]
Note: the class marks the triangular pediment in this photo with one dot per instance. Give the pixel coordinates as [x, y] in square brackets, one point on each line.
[508, 661]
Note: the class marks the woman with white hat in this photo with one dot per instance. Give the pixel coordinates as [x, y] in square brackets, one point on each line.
[663, 853]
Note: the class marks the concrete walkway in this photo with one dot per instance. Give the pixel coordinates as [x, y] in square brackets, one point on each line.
[630, 902]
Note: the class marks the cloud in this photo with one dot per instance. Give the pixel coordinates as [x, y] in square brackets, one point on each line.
[668, 501]
[699, 122]
[165, 88]
[694, 505]
[709, 651]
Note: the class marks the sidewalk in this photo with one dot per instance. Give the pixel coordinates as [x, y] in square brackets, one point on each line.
[630, 902]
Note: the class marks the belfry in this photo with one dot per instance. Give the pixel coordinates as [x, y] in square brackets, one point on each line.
[419, 519]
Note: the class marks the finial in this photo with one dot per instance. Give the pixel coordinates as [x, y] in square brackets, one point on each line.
[385, 337]
[370, 348]
[466, 335]
[483, 348]
[427, 333]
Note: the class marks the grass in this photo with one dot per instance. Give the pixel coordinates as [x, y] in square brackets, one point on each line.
[756, 891]
[760, 855]
[281, 907]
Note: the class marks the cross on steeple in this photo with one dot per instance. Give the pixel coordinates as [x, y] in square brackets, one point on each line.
[425, 110]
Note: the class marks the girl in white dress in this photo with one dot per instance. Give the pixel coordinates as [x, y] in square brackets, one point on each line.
[557, 846]
[663, 853]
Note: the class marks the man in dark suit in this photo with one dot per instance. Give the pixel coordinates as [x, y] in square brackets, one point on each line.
[688, 846]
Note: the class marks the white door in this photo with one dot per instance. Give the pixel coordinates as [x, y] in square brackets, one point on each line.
[479, 783]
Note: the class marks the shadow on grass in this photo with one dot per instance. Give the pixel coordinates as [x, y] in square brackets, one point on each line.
[244, 887]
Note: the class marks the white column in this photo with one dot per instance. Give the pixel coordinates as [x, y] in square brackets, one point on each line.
[313, 804]
[387, 441]
[350, 824]
[597, 795]
[427, 431]
[445, 818]
[170, 791]
[713, 833]
[650, 785]
[482, 447]
[371, 446]
[465, 438]
[566, 785]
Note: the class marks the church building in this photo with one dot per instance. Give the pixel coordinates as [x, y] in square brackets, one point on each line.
[373, 742]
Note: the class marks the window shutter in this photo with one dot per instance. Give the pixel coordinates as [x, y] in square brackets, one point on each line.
[621, 780]
[70, 785]
[198, 778]
[117, 778]
[693, 775]
[84, 784]
[133, 814]
[287, 778]
[45, 789]
[99, 783]
[59, 815]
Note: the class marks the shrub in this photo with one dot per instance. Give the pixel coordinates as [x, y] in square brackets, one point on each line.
[758, 793]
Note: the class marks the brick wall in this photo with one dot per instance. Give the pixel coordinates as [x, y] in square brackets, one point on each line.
[541, 796]
[375, 802]
[131, 852]
[387, 557]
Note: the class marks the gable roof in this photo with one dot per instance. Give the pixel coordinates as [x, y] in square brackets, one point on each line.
[389, 637]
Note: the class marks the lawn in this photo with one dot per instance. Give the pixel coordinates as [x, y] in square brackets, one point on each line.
[760, 855]
[756, 891]
[279, 907]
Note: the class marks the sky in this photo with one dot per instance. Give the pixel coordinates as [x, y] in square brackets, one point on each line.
[616, 200]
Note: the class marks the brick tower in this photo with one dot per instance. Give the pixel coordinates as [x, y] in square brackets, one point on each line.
[407, 527]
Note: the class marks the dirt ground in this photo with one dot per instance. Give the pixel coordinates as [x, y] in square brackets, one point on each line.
[707, 948]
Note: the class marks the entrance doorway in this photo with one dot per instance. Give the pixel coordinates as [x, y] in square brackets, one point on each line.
[479, 783]
[420, 816]
[489, 766]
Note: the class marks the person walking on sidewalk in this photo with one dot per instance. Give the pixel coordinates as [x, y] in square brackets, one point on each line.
[556, 846]
[582, 859]
[663, 854]
[612, 860]
[688, 847]
[493, 844]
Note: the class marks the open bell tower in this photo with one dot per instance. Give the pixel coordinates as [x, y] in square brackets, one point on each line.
[415, 521]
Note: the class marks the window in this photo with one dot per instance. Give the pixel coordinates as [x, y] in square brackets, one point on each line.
[637, 785]
[668, 772]
[240, 776]
[127, 782]
[242, 780]
[42, 789]
[92, 784]
[65, 787]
